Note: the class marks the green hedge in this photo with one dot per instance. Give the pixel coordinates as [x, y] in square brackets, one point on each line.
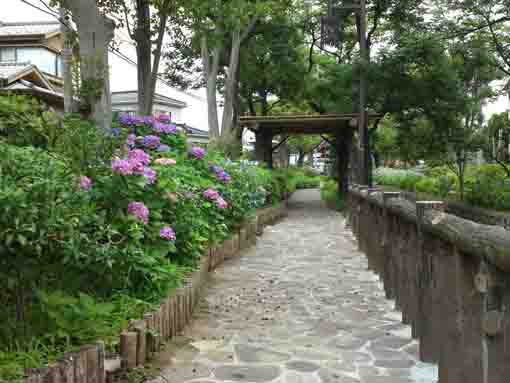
[486, 186]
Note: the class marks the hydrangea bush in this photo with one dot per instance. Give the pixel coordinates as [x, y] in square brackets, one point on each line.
[123, 224]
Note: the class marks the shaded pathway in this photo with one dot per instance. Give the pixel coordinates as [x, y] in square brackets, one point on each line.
[299, 307]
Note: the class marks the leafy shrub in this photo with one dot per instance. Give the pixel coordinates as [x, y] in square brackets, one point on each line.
[403, 179]
[26, 121]
[95, 228]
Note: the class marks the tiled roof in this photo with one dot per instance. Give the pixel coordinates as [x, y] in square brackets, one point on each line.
[131, 97]
[23, 85]
[28, 29]
[10, 69]
[197, 132]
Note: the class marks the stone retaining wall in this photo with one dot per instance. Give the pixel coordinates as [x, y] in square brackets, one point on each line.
[449, 276]
[144, 337]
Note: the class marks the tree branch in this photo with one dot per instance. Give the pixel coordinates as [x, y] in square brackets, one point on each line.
[499, 47]
[126, 17]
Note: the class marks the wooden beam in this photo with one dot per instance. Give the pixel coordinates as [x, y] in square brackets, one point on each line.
[327, 140]
[281, 143]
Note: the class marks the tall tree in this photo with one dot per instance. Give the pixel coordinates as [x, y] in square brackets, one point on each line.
[94, 34]
[147, 31]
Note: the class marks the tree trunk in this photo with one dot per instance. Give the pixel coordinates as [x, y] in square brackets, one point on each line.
[163, 14]
[94, 34]
[211, 63]
[143, 54]
[301, 158]
[230, 84]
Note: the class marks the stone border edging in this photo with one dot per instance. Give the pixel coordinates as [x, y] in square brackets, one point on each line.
[144, 337]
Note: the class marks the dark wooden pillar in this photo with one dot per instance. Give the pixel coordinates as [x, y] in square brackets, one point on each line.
[268, 149]
[259, 146]
[343, 144]
[264, 147]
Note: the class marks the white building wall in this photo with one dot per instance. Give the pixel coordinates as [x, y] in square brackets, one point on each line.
[123, 78]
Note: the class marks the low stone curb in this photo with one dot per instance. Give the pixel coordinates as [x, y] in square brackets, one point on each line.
[144, 337]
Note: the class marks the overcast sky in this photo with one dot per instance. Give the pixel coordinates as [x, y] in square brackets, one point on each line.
[123, 75]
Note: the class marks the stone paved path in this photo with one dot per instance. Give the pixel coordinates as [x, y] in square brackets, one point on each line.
[299, 307]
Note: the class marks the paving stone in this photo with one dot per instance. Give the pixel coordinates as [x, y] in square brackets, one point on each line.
[181, 372]
[299, 307]
[330, 376]
[394, 363]
[249, 354]
[302, 366]
[247, 373]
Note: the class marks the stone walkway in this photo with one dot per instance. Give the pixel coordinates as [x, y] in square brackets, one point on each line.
[300, 307]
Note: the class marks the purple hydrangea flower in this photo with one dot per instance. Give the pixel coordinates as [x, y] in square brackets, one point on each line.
[221, 174]
[167, 233]
[126, 119]
[163, 148]
[165, 118]
[151, 141]
[211, 194]
[140, 211]
[114, 132]
[165, 128]
[85, 183]
[138, 155]
[123, 167]
[148, 120]
[221, 203]
[149, 175]
[197, 152]
[138, 120]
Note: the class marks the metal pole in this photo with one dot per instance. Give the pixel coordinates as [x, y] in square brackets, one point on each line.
[364, 145]
[67, 58]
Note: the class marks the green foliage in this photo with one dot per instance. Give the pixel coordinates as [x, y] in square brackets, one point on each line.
[485, 186]
[26, 121]
[76, 263]
[329, 194]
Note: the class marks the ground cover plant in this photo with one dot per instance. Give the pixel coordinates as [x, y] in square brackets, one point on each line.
[95, 229]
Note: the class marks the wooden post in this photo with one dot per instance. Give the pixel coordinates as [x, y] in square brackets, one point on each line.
[128, 349]
[268, 149]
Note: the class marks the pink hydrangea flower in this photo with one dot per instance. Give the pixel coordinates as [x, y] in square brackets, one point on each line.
[165, 161]
[137, 168]
[221, 203]
[167, 233]
[123, 167]
[211, 194]
[131, 140]
[138, 155]
[165, 118]
[197, 152]
[139, 210]
[85, 183]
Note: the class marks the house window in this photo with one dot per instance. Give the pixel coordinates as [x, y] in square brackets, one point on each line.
[42, 58]
[8, 54]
